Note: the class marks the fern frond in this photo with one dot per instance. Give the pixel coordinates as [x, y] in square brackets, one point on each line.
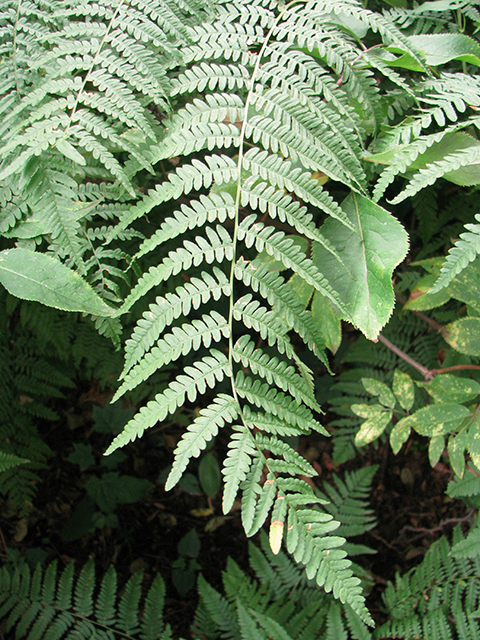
[278, 293]
[435, 170]
[218, 169]
[179, 342]
[237, 464]
[217, 247]
[275, 402]
[464, 251]
[437, 597]
[42, 606]
[212, 208]
[9, 460]
[283, 174]
[278, 245]
[347, 502]
[273, 370]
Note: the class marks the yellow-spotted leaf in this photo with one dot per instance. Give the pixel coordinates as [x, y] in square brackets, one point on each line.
[404, 389]
[450, 388]
[400, 434]
[379, 389]
[438, 419]
[464, 336]
[377, 420]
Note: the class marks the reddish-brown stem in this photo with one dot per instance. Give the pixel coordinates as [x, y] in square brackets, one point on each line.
[433, 323]
[428, 374]
[401, 354]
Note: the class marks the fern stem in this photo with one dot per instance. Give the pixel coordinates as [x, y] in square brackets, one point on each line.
[238, 193]
[92, 66]
[14, 52]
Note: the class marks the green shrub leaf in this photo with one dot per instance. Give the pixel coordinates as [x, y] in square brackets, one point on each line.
[364, 281]
[35, 276]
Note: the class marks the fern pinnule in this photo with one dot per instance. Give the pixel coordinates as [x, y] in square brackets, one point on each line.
[464, 251]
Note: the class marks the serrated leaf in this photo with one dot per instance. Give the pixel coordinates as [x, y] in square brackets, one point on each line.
[464, 336]
[35, 276]
[404, 389]
[364, 281]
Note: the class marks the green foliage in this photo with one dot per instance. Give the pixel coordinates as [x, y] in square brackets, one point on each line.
[281, 602]
[48, 605]
[436, 599]
[205, 173]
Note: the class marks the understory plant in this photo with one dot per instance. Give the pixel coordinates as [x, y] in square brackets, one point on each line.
[237, 180]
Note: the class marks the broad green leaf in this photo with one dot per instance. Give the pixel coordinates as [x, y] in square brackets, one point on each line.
[327, 320]
[438, 419]
[380, 389]
[437, 49]
[473, 443]
[450, 388]
[435, 449]
[364, 281]
[441, 48]
[456, 451]
[420, 301]
[400, 434]
[465, 286]
[377, 420]
[404, 389]
[464, 336]
[35, 276]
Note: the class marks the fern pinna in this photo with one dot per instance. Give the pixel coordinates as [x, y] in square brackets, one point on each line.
[273, 101]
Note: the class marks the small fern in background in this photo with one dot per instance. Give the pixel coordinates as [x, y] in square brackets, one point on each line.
[436, 599]
[51, 605]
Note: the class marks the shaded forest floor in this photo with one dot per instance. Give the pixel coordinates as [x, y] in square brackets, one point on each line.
[408, 498]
